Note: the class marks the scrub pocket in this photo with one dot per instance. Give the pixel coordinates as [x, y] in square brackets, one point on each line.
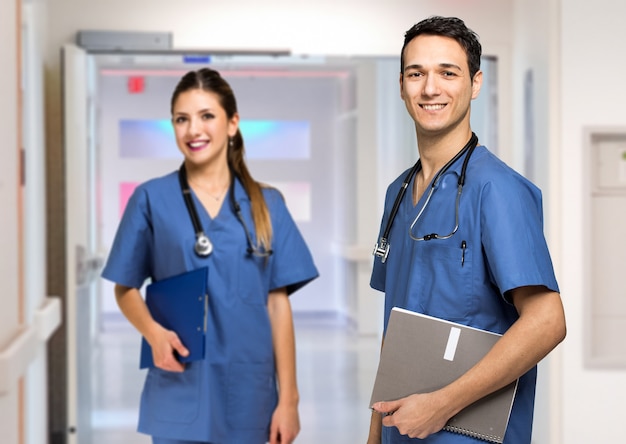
[172, 397]
[444, 274]
[251, 396]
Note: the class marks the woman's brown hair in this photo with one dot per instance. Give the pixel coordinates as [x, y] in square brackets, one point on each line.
[211, 81]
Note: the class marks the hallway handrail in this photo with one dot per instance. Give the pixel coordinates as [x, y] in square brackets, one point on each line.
[23, 349]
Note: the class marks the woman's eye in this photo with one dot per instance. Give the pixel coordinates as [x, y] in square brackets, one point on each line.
[207, 116]
[179, 119]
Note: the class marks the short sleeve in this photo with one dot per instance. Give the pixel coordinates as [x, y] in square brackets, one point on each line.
[512, 236]
[292, 262]
[128, 262]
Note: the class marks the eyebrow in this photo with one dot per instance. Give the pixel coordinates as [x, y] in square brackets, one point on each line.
[441, 65]
[204, 110]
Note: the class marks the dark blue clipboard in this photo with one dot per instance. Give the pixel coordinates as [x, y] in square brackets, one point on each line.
[179, 303]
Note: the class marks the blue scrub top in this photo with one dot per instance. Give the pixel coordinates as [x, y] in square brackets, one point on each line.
[501, 226]
[230, 396]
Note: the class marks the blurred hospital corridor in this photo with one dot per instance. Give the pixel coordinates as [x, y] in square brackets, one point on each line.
[86, 120]
[336, 369]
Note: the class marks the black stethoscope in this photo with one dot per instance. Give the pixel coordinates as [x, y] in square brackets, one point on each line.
[203, 246]
[381, 249]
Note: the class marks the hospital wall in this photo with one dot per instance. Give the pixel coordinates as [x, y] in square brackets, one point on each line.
[568, 97]
[11, 314]
[28, 317]
[591, 97]
[534, 59]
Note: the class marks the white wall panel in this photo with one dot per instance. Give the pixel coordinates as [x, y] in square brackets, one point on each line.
[9, 222]
[590, 98]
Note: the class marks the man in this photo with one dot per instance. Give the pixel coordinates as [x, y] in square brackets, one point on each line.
[480, 261]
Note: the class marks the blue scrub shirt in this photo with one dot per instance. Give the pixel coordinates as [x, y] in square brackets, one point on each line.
[230, 396]
[499, 246]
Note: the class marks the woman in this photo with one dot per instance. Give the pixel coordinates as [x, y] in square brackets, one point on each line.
[231, 396]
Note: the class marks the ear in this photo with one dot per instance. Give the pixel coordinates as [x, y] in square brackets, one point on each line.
[401, 86]
[477, 82]
[233, 125]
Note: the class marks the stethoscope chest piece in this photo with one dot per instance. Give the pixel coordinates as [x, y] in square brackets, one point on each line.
[203, 246]
[381, 249]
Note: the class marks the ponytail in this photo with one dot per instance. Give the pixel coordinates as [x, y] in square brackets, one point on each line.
[260, 212]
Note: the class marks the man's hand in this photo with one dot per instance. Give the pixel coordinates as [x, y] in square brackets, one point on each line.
[417, 416]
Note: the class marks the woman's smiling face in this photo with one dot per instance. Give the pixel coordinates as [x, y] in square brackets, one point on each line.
[201, 127]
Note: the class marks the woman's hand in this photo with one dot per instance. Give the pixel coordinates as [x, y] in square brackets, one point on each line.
[285, 424]
[164, 343]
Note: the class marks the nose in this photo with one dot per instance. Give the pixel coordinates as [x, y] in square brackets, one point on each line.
[194, 127]
[431, 86]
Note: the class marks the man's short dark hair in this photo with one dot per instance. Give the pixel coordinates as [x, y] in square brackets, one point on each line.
[447, 27]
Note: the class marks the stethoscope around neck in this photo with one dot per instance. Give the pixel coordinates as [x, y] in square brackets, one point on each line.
[203, 246]
[381, 249]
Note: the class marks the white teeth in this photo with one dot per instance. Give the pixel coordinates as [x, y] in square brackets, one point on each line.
[432, 107]
[196, 144]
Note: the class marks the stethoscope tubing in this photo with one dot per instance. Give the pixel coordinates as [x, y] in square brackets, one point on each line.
[382, 247]
[203, 246]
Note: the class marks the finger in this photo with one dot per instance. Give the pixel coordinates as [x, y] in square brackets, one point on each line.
[287, 439]
[386, 407]
[167, 361]
[171, 364]
[177, 367]
[274, 435]
[388, 421]
[178, 346]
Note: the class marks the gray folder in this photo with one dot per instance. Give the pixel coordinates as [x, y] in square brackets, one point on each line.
[422, 354]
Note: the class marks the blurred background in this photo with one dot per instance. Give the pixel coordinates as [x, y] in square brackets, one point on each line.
[85, 115]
